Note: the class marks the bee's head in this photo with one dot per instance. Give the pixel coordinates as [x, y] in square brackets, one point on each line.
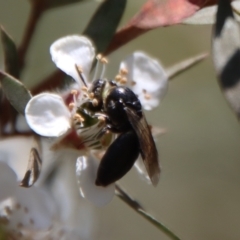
[97, 89]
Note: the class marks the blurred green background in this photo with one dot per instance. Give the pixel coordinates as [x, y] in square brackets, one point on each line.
[199, 194]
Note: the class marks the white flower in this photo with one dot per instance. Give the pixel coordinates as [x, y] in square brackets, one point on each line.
[38, 212]
[51, 115]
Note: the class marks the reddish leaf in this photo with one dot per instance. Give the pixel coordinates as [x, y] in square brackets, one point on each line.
[156, 13]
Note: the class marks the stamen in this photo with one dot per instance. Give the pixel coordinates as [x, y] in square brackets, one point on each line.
[147, 96]
[94, 102]
[71, 106]
[101, 118]
[78, 118]
[79, 71]
[104, 60]
[85, 89]
[123, 71]
[118, 78]
[103, 71]
[98, 57]
[91, 95]
[74, 92]
[123, 80]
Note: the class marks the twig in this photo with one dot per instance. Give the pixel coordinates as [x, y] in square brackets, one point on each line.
[37, 8]
[140, 210]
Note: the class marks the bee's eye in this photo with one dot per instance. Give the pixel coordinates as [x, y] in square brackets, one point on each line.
[97, 88]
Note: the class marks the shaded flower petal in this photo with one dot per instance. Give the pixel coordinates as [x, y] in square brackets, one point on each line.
[8, 182]
[47, 115]
[24, 208]
[86, 170]
[146, 78]
[73, 50]
[141, 169]
[28, 208]
[14, 151]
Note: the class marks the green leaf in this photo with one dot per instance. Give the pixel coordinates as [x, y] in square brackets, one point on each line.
[60, 3]
[10, 54]
[226, 54]
[15, 92]
[184, 65]
[104, 23]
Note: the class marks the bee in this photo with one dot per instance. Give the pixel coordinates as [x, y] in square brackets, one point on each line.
[123, 114]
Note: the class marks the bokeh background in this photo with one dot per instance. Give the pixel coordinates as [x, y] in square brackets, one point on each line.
[199, 193]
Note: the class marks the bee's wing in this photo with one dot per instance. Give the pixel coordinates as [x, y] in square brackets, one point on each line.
[147, 145]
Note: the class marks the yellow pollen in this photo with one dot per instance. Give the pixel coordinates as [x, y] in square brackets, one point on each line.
[74, 92]
[78, 118]
[84, 88]
[123, 80]
[147, 96]
[123, 71]
[91, 95]
[118, 78]
[101, 118]
[104, 60]
[94, 102]
[71, 106]
[99, 56]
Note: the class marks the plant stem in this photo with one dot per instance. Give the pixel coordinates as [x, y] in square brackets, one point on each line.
[37, 8]
[140, 210]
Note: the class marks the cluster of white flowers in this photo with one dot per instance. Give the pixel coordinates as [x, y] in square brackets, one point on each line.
[54, 115]
[38, 212]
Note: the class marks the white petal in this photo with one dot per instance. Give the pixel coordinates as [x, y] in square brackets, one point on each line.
[139, 165]
[86, 170]
[8, 182]
[73, 50]
[14, 151]
[29, 208]
[147, 78]
[47, 115]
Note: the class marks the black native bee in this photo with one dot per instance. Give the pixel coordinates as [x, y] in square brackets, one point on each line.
[123, 114]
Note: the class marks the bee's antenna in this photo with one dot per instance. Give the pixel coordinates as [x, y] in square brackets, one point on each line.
[79, 71]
